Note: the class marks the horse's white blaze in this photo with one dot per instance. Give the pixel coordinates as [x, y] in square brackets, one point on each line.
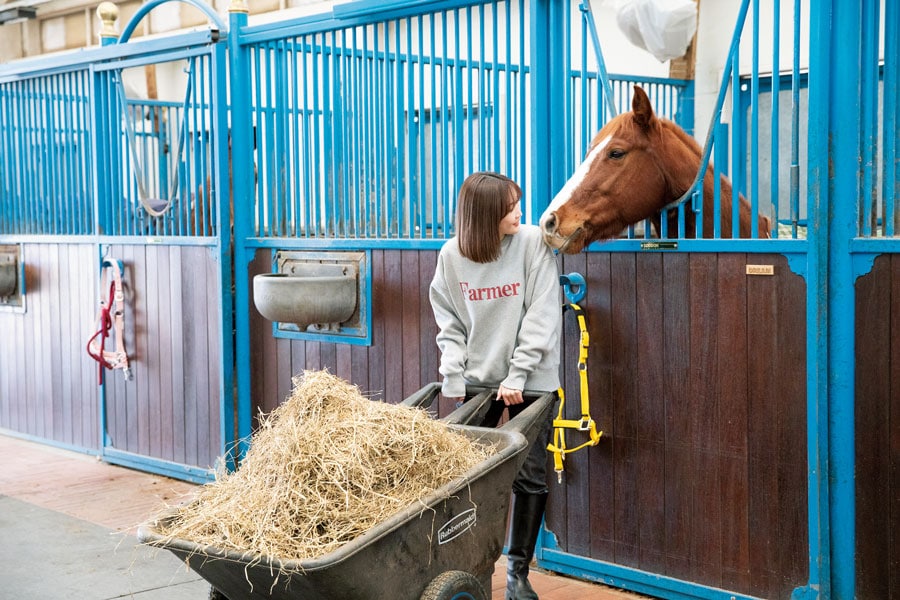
[576, 179]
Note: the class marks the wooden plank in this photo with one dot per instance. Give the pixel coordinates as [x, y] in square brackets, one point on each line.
[763, 412]
[651, 495]
[89, 366]
[874, 327]
[193, 296]
[377, 354]
[793, 555]
[410, 309]
[731, 391]
[705, 538]
[602, 467]
[178, 315]
[893, 553]
[42, 415]
[156, 336]
[680, 408]
[623, 433]
[214, 299]
[53, 369]
[428, 352]
[392, 301]
[576, 478]
[126, 392]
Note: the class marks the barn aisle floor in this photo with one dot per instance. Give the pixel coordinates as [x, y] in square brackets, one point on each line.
[68, 522]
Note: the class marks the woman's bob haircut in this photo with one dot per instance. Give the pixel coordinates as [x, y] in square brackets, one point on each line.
[484, 199]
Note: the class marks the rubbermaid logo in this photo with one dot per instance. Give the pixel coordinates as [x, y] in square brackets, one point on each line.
[457, 526]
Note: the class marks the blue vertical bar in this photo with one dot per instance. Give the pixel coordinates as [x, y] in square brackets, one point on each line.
[869, 106]
[795, 124]
[359, 156]
[737, 149]
[776, 93]
[437, 201]
[833, 187]
[398, 155]
[483, 102]
[243, 188]
[382, 127]
[844, 121]
[419, 123]
[445, 191]
[753, 184]
[459, 109]
[466, 64]
[307, 144]
[220, 169]
[495, 78]
[368, 141]
[891, 123]
[721, 153]
[279, 107]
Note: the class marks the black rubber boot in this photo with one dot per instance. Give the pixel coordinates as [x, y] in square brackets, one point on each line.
[525, 523]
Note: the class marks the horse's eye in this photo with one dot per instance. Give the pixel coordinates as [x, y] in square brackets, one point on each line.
[616, 154]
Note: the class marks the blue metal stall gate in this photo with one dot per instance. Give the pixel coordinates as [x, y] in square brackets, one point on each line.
[351, 131]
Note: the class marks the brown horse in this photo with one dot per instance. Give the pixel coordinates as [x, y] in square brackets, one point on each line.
[636, 166]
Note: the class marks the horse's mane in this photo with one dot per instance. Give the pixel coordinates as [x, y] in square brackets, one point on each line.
[683, 136]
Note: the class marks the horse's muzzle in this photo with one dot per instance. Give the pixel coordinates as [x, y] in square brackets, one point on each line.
[550, 230]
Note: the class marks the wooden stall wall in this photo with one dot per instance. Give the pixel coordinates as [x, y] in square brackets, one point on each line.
[170, 410]
[402, 358]
[878, 431]
[697, 379]
[48, 383]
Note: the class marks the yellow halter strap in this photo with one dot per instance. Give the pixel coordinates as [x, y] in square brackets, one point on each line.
[585, 423]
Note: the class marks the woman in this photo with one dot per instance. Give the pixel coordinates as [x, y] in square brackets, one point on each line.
[495, 296]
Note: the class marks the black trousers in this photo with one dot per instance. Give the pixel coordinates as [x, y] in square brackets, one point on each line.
[532, 477]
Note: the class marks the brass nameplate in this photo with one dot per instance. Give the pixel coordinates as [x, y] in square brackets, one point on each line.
[760, 269]
[659, 245]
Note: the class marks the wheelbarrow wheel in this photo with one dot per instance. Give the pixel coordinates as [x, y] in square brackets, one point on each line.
[215, 594]
[454, 585]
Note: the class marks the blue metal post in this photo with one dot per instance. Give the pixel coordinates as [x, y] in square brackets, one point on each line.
[548, 59]
[833, 188]
[242, 190]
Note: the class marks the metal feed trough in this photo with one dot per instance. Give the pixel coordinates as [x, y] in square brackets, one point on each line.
[440, 548]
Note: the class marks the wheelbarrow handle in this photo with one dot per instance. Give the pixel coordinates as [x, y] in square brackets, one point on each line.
[533, 419]
[424, 397]
[472, 411]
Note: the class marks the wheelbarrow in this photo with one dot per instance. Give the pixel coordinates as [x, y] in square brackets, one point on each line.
[442, 548]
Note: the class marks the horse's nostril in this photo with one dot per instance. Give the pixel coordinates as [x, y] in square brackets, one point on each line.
[549, 224]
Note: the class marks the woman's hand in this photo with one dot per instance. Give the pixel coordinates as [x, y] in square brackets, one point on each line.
[510, 396]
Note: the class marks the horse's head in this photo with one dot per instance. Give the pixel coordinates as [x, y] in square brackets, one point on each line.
[634, 167]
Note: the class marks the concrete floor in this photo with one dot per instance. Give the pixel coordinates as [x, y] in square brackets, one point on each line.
[68, 524]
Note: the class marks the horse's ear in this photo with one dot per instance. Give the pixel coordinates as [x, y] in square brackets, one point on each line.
[641, 108]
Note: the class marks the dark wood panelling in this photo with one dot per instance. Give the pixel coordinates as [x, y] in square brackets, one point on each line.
[47, 381]
[697, 377]
[877, 415]
[403, 354]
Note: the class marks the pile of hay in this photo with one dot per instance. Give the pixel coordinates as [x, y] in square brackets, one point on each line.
[323, 468]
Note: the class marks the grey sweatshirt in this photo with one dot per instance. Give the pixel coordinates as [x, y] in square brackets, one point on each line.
[499, 322]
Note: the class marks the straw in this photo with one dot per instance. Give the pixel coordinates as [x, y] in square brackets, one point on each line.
[323, 468]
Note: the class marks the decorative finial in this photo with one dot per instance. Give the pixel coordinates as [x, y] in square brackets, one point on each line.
[238, 6]
[109, 14]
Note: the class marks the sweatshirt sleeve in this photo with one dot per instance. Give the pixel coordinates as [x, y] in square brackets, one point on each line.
[451, 337]
[539, 330]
